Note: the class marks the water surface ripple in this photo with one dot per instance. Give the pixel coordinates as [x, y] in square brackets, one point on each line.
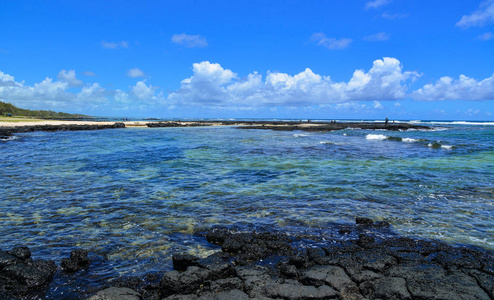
[136, 196]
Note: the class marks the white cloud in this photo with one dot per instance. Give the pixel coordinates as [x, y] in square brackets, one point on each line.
[50, 94]
[6, 80]
[331, 43]
[94, 94]
[43, 94]
[486, 36]
[483, 16]
[463, 88]
[146, 93]
[211, 84]
[112, 45]
[378, 37]
[377, 105]
[189, 41]
[135, 72]
[377, 3]
[69, 77]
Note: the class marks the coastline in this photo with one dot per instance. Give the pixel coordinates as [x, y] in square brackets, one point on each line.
[9, 128]
[365, 260]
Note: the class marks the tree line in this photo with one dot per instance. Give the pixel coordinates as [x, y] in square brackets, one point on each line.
[7, 109]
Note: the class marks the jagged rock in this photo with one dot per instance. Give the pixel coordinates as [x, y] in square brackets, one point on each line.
[116, 293]
[226, 284]
[433, 282]
[20, 252]
[392, 288]
[19, 274]
[295, 292]
[326, 275]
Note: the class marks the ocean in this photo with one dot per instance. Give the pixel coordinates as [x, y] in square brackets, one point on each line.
[133, 197]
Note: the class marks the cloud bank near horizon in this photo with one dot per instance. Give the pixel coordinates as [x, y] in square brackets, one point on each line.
[213, 86]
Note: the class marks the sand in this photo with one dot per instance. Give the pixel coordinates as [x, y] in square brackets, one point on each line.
[60, 122]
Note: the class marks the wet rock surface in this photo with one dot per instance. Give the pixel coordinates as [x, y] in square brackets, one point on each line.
[264, 265]
[372, 263]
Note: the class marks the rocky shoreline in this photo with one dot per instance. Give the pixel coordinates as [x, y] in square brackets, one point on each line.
[290, 126]
[372, 263]
[6, 132]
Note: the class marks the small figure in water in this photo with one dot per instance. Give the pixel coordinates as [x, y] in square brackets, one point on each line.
[386, 121]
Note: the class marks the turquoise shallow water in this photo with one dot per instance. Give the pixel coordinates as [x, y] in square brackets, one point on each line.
[133, 197]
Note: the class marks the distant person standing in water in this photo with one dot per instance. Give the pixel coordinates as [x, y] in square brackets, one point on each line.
[386, 121]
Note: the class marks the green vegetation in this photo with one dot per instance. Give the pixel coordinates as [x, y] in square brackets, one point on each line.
[9, 110]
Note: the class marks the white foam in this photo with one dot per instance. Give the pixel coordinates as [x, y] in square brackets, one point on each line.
[300, 134]
[332, 143]
[10, 138]
[409, 140]
[377, 137]
[447, 147]
[480, 123]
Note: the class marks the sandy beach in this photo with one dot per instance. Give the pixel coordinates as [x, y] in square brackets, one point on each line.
[63, 122]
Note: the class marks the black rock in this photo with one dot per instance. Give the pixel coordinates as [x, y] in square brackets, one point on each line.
[182, 261]
[20, 252]
[78, 260]
[20, 275]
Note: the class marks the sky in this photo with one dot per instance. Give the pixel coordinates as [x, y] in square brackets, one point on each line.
[299, 59]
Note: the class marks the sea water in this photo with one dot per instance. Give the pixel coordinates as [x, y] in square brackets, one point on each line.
[135, 196]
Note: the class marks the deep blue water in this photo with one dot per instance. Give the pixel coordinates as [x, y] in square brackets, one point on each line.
[135, 196]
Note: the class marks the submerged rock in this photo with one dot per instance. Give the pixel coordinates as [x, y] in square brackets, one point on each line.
[365, 264]
[78, 260]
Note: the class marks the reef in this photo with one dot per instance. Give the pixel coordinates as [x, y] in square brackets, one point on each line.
[321, 127]
[266, 264]
[290, 125]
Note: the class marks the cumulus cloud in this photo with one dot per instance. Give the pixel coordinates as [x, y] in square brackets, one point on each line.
[331, 43]
[93, 93]
[463, 88]
[6, 80]
[212, 84]
[377, 3]
[70, 78]
[378, 37]
[146, 93]
[189, 41]
[51, 94]
[113, 45]
[483, 16]
[135, 72]
[44, 93]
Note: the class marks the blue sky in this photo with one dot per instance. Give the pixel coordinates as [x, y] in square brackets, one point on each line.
[268, 59]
